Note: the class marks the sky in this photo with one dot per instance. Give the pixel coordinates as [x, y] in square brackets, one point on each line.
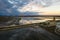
[29, 7]
[40, 6]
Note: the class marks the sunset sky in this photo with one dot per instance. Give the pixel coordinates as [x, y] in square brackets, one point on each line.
[29, 7]
[53, 9]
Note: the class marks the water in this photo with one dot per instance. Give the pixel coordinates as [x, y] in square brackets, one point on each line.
[57, 30]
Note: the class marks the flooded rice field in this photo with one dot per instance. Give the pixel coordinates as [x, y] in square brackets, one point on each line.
[28, 34]
[36, 32]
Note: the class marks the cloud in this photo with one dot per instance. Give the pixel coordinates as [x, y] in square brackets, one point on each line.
[30, 7]
[53, 9]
